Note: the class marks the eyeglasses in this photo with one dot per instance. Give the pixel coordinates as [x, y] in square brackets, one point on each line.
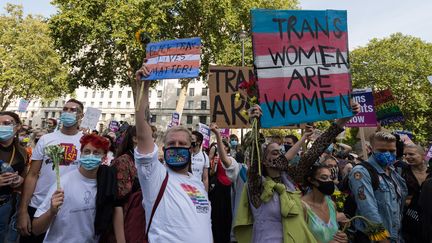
[71, 109]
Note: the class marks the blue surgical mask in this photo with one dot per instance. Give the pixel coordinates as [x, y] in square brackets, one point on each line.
[233, 143]
[6, 132]
[384, 158]
[68, 119]
[90, 162]
[177, 158]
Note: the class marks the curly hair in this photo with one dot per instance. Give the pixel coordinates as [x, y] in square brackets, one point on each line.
[95, 140]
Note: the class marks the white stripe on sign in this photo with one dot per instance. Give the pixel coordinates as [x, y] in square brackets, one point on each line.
[173, 58]
[288, 71]
[299, 59]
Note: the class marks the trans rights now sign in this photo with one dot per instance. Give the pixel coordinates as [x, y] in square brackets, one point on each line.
[302, 66]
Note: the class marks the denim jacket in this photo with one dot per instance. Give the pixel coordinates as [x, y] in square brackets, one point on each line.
[385, 205]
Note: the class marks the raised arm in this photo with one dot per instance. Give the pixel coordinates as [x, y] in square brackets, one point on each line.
[220, 146]
[293, 151]
[142, 115]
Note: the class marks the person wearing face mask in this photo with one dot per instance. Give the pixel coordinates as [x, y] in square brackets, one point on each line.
[12, 169]
[414, 174]
[51, 125]
[175, 201]
[227, 170]
[384, 205]
[320, 211]
[200, 160]
[40, 175]
[71, 213]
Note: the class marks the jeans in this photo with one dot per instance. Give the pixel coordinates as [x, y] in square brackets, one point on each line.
[5, 213]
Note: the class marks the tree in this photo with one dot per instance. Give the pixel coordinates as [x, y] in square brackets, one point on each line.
[29, 66]
[401, 63]
[96, 37]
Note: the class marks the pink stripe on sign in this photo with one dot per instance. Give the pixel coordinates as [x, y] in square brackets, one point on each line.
[263, 41]
[174, 51]
[190, 64]
[275, 88]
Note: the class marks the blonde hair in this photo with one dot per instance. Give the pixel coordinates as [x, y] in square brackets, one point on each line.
[177, 129]
[383, 137]
[419, 148]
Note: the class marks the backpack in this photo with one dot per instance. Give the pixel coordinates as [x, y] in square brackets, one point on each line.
[350, 205]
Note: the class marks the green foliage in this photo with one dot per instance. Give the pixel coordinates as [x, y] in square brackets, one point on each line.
[96, 37]
[280, 132]
[401, 63]
[29, 66]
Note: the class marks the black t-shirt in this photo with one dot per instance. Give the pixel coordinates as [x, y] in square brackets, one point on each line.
[18, 164]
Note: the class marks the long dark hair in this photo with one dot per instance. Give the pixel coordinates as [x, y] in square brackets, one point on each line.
[312, 173]
[16, 142]
[127, 145]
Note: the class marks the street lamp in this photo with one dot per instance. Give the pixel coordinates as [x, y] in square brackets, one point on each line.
[242, 36]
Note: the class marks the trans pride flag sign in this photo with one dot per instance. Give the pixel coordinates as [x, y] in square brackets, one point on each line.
[174, 59]
[301, 60]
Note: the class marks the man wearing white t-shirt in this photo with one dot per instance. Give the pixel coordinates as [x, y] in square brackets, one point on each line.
[200, 160]
[41, 176]
[183, 214]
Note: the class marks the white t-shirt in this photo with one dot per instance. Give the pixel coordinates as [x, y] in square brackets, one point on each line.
[200, 162]
[75, 219]
[183, 214]
[47, 175]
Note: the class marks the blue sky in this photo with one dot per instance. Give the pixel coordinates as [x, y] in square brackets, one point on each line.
[367, 19]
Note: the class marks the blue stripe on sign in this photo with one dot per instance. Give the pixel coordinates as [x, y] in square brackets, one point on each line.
[172, 74]
[262, 20]
[294, 112]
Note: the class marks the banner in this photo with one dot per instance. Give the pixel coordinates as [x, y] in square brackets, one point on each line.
[367, 116]
[302, 65]
[223, 85]
[174, 59]
[91, 118]
[205, 131]
[23, 104]
[114, 126]
[387, 111]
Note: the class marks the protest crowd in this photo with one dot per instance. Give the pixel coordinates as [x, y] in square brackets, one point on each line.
[68, 184]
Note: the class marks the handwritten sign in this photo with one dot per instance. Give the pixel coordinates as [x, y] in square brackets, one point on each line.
[205, 131]
[23, 104]
[223, 85]
[224, 132]
[114, 126]
[387, 111]
[174, 59]
[367, 116]
[91, 118]
[302, 65]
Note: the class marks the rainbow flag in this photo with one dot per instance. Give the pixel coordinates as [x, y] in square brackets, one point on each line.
[302, 66]
[174, 59]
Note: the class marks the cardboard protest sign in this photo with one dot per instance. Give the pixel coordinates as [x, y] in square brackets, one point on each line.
[174, 59]
[302, 65]
[23, 104]
[91, 118]
[223, 85]
[367, 116]
[205, 131]
[114, 126]
[387, 111]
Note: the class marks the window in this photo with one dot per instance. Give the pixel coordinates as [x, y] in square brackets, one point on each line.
[204, 92]
[119, 94]
[158, 104]
[56, 103]
[92, 104]
[103, 116]
[129, 94]
[159, 93]
[118, 104]
[53, 114]
[102, 94]
[178, 91]
[93, 94]
[46, 114]
[203, 104]
[112, 115]
[110, 94]
[191, 92]
[132, 116]
[31, 114]
[189, 119]
[203, 119]
[85, 94]
[153, 119]
[127, 104]
[122, 116]
[109, 104]
[100, 104]
[190, 104]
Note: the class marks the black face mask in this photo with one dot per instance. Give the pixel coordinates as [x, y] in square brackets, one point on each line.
[287, 147]
[36, 140]
[194, 144]
[326, 187]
